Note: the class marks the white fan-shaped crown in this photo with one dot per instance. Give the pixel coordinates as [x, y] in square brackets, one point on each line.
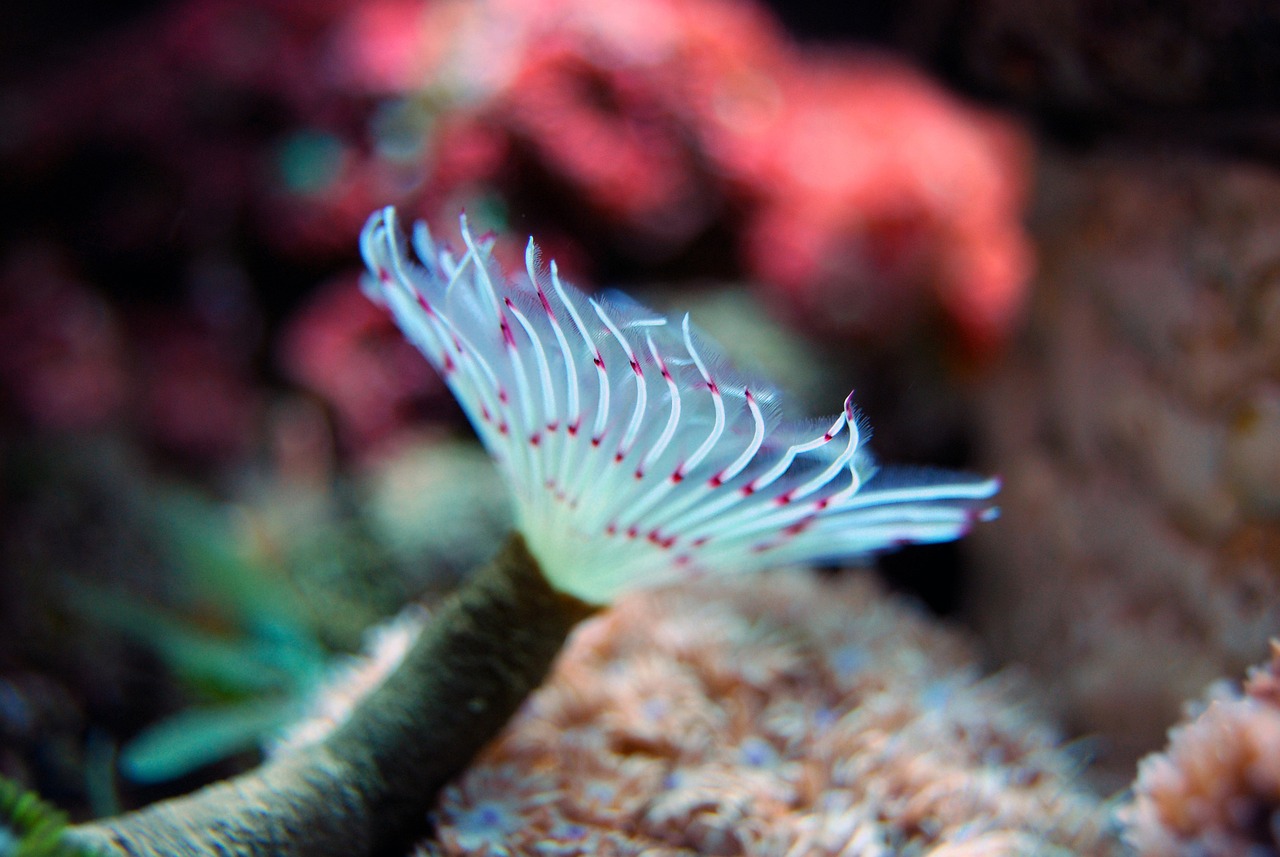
[634, 453]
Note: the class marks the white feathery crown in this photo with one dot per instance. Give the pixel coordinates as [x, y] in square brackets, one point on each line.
[635, 454]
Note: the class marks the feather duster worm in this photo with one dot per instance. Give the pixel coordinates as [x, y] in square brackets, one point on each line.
[634, 453]
[635, 456]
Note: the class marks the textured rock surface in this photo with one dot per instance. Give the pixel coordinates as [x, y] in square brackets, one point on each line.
[1138, 431]
[771, 715]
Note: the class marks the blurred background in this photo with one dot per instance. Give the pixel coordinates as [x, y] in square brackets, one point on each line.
[1039, 241]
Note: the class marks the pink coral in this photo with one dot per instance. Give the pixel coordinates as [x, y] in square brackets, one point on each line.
[870, 197]
[1215, 791]
[654, 130]
[206, 101]
[192, 390]
[604, 101]
[62, 350]
[350, 353]
[881, 197]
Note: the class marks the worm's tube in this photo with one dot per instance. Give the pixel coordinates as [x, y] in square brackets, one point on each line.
[365, 789]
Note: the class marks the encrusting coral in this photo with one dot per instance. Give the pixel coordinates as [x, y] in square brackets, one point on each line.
[635, 457]
[784, 714]
[1215, 791]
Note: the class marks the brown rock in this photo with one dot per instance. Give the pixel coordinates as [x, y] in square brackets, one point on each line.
[1138, 429]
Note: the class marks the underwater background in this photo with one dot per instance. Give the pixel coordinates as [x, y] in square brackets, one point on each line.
[1039, 243]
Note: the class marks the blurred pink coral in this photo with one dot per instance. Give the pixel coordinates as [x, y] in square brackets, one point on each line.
[193, 393]
[869, 197]
[785, 715]
[378, 45]
[62, 362]
[862, 194]
[881, 197]
[207, 98]
[350, 353]
[602, 101]
[69, 362]
[1215, 791]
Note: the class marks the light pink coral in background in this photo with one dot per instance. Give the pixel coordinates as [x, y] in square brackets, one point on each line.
[1215, 790]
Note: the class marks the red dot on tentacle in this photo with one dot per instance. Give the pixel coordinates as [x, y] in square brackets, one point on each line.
[798, 527]
[656, 538]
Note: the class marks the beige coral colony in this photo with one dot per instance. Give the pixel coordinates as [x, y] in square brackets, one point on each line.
[643, 670]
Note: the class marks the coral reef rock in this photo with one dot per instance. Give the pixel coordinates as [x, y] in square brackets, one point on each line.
[778, 715]
[1215, 791]
[1138, 431]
